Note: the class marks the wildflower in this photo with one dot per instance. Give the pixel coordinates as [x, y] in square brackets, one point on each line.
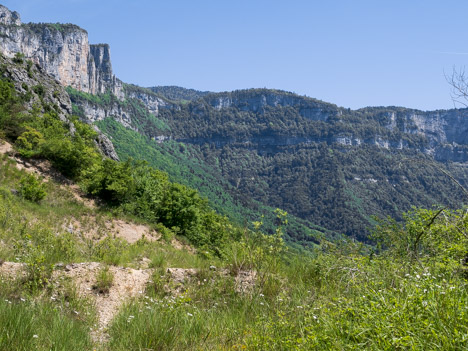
[418, 276]
[189, 314]
[261, 295]
[35, 336]
[299, 307]
[261, 303]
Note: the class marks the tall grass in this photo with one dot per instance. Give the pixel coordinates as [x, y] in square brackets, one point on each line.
[31, 325]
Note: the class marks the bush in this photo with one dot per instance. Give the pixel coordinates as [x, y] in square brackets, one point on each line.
[104, 280]
[29, 142]
[32, 188]
[19, 58]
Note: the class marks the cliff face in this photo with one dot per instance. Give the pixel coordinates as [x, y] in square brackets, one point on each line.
[62, 50]
[246, 101]
[39, 90]
[267, 119]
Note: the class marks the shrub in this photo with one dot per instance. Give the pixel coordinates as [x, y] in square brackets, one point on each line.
[29, 142]
[19, 58]
[104, 280]
[32, 188]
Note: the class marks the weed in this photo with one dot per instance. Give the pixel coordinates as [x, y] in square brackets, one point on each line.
[104, 280]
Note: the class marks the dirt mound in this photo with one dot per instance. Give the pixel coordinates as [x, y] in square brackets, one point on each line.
[11, 270]
[131, 232]
[127, 283]
[5, 148]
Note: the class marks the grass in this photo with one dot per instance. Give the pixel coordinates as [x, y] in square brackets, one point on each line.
[50, 322]
[349, 305]
[104, 280]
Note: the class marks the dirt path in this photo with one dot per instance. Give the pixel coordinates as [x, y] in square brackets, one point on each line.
[127, 284]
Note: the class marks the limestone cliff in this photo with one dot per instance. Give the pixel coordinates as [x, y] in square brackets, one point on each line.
[40, 91]
[267, 119]
[62, 50]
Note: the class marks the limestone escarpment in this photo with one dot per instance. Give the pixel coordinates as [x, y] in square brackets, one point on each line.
[62, 50]
[93, 112]
[152, 102]
[39, 91]
[268, 119]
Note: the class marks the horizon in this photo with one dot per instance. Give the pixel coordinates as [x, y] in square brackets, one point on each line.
[391, 54]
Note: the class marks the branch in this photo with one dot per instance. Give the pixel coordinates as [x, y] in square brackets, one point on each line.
[458, 80]
[428, 225]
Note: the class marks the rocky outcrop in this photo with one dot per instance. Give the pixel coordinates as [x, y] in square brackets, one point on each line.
[41, 91]
[8, 17]
[151, 101]
[62, 50]
[105, 145]
[95, 112]
[246, 101]
[38, 88]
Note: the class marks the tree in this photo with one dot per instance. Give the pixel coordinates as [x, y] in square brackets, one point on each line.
[458, 82]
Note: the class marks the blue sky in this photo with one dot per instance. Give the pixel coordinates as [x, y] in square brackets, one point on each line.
[353, 53]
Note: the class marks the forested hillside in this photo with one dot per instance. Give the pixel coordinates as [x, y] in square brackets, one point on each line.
[332, 167]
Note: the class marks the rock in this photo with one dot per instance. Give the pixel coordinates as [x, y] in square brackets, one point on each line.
[105, 145]
[212, 268]
[8, 17]
[63, 51]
